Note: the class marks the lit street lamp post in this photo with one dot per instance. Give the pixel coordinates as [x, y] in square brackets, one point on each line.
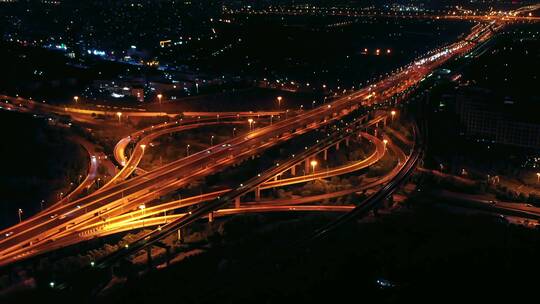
[76, 98]
[20, 212]
[187, 150]
[119, 114]
[393, 113]
[212, 140]
[250, 123]
[233, 131]
[279, 98]
[159, 96]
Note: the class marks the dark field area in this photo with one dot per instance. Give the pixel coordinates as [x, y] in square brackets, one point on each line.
[424, 253]
[428, 256]
[37, 162]
[310, 49]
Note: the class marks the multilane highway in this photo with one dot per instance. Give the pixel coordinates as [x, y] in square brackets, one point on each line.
[128, 194]
[96, 225]
[419, 69]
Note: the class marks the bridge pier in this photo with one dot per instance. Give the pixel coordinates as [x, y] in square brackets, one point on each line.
[149, 256]
[167, 251]
[180, 237]
[257, 194]
[168, 255]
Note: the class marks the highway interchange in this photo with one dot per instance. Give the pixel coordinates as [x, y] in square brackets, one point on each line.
[128, 200]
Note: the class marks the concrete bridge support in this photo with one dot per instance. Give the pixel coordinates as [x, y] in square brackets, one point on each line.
[180, 236]
[149, 256]
[257, 194]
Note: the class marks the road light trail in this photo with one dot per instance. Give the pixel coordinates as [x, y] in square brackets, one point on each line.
[116, 199]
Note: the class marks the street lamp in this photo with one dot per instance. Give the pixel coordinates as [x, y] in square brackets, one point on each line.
[20, 212]
[393, 113]
[385, 141]
[233, 131]
[250, 123]
[212, 140]
[538, 177]
[159, 96]
[313, 165]
[279, 98]
[119, 114]
[143, 146]
[187, 150]
[76, 98]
